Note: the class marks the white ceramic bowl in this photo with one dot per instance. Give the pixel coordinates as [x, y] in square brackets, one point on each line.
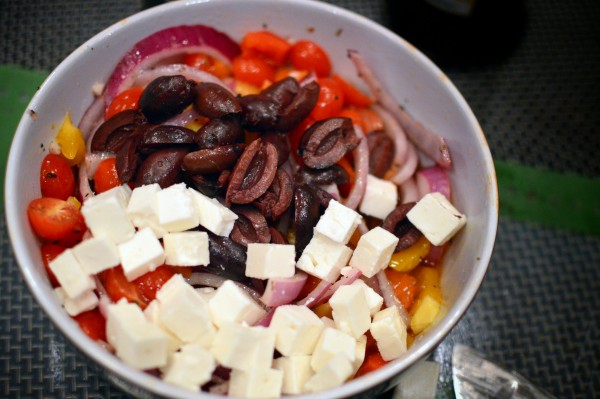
[415, 81]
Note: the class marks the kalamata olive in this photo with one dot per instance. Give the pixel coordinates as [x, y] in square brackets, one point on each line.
[124, 122]
[165, 97]
[250, 226]
[227, 258]
[327, 141]
[212, 160]
[219, 132]
[211, 185]
[127, 160]
[299, 108]
[281, 143]
[277, 237]
[162, 167]
[398, 224]
[166, 136]
[260, 113]
[306, 216]
[381, 153]
[214, 101]
[282, 91]
[278, 197]
[333, 174]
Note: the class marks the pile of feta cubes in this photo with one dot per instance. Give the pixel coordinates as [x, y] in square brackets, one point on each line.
[187, 332]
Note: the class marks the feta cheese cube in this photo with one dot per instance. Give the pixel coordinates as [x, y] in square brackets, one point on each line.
[142, 208]
[374, 251]
[296, 371]
[74, 306]
[337, 370]
[176, 208]
[436, 218]
[389, 332]
[328, 322]
[141, 254]
[374, 300]
[324, 258]
[152, 314]
[232, 303]
[266, 261]
[190, 368]
[207, 293]
[71, 276]
[297, 330]
[242, 347]
[184, 313]
[187, 248]
[106, 215]
[256, 383]
[330, 343]
[214, 216]
[361, 351]
[338, 222]
[350, 310]
[380, 199]
[96, 255]
[137, 342]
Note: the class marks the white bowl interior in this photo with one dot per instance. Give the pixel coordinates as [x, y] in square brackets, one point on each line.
[416, 83]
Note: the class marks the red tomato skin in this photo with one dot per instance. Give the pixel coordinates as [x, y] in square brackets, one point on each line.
[308, 55]
[151, 282]
[49, 252]
[57, 179]
[330, 101]
[127, 99]
[93, 324]
[118, 287]
[106, 176]
[53, 219]
[253, 70]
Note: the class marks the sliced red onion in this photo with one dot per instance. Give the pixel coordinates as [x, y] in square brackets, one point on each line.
[212, 280]
[84, 184]
[435, 255]
[165, 44]
[433, 179]
[389, 297]
[396, 133]
[430, 143]
[184, 118]
[146, 76]
[91, 119]
[281, 291]
[344, 280]
[315, 295]
[331, 189]
[409, 191]
[408, 168]
[362, 227]
[361, 167]
[266, 319]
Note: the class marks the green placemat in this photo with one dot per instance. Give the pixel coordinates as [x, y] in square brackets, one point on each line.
[17, 86]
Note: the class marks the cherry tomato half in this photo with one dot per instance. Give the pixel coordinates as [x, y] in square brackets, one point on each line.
[253, 70]
[93, 324]
[308, 55]
[56, 177]
[49, 252]
[205, 62]
[127, 99]
[106, 176]
[118, 287]
[151, 282]
[330, 101]
[267, 44]
[54, 219]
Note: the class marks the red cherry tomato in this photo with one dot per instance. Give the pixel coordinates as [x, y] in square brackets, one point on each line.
[308, 55]
[205, 62]
[56, 177]
[352, 95]
[151, 282]
[253, 70]
[106, 176]
[118, 287]
[127, 99]
[330, 101]
[53, 219]
[93, 324]
[267, 44]
[49, 252]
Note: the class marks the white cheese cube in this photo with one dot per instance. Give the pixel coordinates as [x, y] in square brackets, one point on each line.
[190, 368]
[70, 274]
[141, 254]
[350, 310]
[266, 261]
[96, 255]
[296, 371]
[337, 370]
[106, 215]
[328, 322]
[297, 330]
[142, 208]
[324, 258]
[374, 300]
[152, 313]
[361, 351]
[74, 306]
[338, 222]
[330, 343]
[256, 383]
[389, 332]
[187, 248]
[232, 303]
[436, 218]
[184, 313]
[214, 216]
[380, 199]
[243, 347]
[137, 342]
[176, 208]
[374, 251]
[207, 293]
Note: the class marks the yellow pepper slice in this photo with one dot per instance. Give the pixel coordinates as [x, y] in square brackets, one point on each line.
[75, 202]
[70, 139]
[407, 259]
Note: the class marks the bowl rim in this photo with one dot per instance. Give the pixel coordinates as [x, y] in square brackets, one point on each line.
[42, 293]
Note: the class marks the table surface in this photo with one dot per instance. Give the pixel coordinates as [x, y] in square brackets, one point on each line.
[538, 310]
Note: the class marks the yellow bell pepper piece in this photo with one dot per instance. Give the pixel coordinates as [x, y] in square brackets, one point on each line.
[409, 258]
[429, 301]
[70, 139]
